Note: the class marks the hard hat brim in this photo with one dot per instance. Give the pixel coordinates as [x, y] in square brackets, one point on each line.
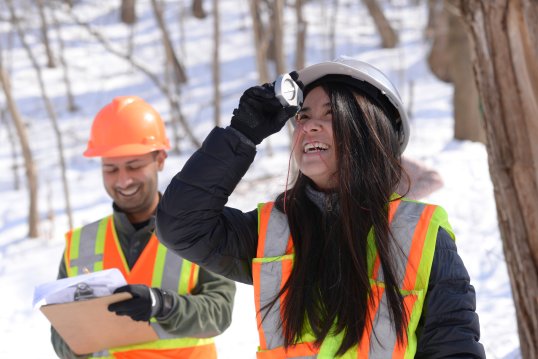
[123, 151]
[363, 72]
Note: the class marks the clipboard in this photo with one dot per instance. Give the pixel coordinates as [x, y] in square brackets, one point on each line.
[87, 326]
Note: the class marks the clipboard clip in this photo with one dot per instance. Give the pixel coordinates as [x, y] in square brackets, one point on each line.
[83, 291]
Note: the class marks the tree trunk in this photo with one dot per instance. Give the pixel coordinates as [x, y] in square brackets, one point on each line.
[198, 9]
[31, 172]
[505, 46]
[437, 32]
[179, 76]
[178, 69]
[278, 36]
[71, 106]
[261, 42]
[389, 38]
[45, 33]
[128, 12]
[332, 30]
[300, 42]
[50, 111]
[468, 122]
[173, 100]
[216, 63]
[13, 146]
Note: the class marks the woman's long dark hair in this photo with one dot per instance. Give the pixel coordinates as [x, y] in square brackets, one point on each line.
[328, 290]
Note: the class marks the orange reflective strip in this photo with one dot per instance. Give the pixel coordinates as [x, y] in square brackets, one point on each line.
[287, 266]
[400, 349]
[377, 263]
[417, 245]
[298, 350]
[289, 246]
[263, 219]
[142, 271]
[262, 232]
[302, 349]
[393, 206]
[192, 277]
[111, 254]
[67, 258]
[364, 345]
[256, 279]
[198, 352]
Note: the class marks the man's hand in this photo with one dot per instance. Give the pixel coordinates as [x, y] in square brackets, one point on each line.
[260, 113]
[145, 303]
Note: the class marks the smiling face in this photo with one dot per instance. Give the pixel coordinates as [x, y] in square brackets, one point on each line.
[313, 140]
[131, 181]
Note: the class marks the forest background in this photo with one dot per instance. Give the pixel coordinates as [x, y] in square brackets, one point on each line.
[61, 61]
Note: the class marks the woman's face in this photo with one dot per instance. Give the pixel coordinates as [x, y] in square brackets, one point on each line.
[313, 141]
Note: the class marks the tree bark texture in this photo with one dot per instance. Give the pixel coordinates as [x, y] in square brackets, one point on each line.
[505, 45]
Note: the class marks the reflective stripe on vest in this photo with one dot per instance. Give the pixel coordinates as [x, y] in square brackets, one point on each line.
[96, 247]
[414, 225]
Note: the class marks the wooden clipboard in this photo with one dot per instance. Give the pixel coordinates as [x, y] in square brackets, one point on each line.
[87, 326]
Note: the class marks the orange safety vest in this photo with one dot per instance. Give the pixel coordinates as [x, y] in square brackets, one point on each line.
[96, 247]
[414, 226]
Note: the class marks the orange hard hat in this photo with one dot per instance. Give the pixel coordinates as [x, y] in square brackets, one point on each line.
[128, 126]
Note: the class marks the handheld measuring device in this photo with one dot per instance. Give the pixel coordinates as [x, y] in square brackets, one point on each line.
[287, 91]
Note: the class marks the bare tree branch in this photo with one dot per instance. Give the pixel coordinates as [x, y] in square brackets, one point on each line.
[50, 111]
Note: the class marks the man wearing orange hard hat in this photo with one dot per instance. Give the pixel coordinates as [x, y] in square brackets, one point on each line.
[185, 304]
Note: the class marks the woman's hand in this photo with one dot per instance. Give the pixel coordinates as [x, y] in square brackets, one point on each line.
[260, 113]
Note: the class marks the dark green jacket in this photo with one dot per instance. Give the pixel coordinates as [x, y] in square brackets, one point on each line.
[206, 312]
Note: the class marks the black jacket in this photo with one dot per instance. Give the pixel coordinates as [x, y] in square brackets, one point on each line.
[202, 229]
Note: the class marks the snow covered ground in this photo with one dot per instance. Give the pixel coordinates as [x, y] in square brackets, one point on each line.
[99, 76]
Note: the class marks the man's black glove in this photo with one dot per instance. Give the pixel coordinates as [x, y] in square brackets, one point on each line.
[260, 113]
[146, 302]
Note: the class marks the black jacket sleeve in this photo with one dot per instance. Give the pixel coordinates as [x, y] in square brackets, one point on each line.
[449, 326]
[192, 219]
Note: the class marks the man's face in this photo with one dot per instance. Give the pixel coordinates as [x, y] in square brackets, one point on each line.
[131, 181]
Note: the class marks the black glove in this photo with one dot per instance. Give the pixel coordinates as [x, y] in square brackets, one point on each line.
[141, 307]
[260, 113]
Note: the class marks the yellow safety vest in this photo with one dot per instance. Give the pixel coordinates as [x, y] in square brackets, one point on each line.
[96, 247]
[414, 226]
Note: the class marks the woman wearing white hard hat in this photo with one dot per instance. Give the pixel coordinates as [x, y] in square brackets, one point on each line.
[342, 266]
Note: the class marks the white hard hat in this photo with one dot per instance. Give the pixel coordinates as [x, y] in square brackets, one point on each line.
[365, 72]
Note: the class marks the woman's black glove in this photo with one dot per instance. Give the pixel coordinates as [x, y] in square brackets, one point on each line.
[146, 302]
[260, 113]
